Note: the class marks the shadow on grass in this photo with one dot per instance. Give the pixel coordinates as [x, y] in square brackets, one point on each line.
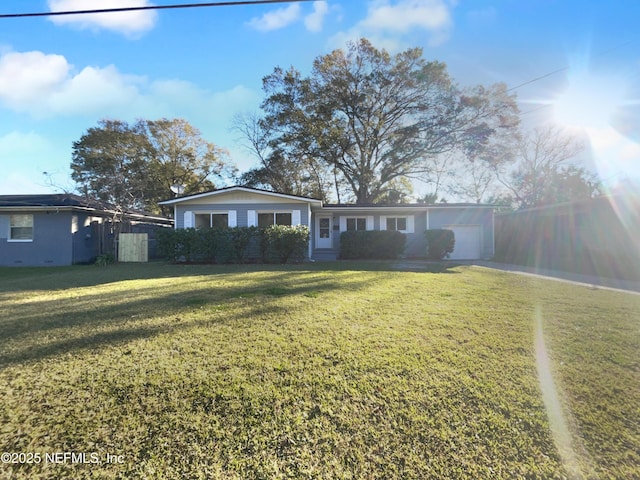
[13, 279]
[34, 329]
[121, 335]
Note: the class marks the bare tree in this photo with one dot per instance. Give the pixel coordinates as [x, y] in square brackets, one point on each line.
[541, 157]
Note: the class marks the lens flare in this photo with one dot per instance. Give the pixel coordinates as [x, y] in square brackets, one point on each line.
[557, 421]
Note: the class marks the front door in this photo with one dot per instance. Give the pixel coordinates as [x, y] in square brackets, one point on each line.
[323, 231]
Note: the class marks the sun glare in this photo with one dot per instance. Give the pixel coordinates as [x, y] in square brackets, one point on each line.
[589, 101]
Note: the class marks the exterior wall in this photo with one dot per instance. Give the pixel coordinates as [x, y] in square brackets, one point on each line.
[437, 217]
[241, 210]
[592, 237]
[415, 246]
[483, 217]
[85, 237]
[51, 244]
[238, 203]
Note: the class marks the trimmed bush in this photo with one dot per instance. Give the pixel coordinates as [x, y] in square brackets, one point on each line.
[275, 244]
[371, 244]
[283, 243]
[440, 243]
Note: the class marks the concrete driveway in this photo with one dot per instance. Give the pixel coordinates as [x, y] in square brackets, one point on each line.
[588, 280]
[576, 278]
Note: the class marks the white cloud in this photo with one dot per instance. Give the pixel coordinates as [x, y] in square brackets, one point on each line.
[387, 21]
[16, 144]
[408, 14]
[131, 24]
[26, 77]
[314, 21]
[46, 86]
[276, 19]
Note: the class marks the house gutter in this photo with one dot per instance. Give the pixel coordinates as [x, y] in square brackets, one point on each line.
[105, 213]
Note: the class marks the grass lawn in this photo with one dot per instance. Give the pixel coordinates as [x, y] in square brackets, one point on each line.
[332, 371]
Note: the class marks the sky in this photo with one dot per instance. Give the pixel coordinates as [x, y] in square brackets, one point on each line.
[572, 62]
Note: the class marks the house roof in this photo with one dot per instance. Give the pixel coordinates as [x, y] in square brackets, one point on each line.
[67, 201]
[628, 203]
[52, 200]
[405, 206]
[319, 203]
[238, 189]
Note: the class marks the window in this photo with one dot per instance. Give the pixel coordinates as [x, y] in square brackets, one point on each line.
[357, 223]
[397, 223]
[324, 225]
[21, 228]
[211, 220]
[266, 219]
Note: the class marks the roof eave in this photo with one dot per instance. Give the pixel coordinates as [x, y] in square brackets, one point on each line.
[243, 189]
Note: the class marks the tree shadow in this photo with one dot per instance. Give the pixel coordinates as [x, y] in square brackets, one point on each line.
[36, 329]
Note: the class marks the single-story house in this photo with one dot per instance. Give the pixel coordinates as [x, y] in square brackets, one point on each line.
[239, 206]
[63, 229]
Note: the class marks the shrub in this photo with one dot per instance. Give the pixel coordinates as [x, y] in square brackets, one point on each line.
[440, 243]
[105, 259]
[283, 243]
[371, 244]
[277, 243]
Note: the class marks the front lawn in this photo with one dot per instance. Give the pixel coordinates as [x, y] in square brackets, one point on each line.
[344, 370]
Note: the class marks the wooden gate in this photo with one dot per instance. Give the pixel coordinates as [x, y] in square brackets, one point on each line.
[133, 247]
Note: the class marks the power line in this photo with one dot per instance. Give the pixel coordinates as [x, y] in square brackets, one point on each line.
[541, 77]
[148, 7]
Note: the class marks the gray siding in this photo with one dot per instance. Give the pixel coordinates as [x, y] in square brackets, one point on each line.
[51, 245]
[467, 216]
[438, 218]
[85, 237]
[241, 210]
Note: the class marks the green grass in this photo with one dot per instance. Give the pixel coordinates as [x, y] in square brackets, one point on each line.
[346, 370]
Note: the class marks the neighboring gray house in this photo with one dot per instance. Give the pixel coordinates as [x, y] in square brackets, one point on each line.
[243, 206]
[62, 229]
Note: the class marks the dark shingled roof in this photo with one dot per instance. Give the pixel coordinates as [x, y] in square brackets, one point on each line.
[69, 200]
[53, 200]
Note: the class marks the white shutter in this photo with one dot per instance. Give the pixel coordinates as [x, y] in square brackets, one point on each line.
[343, 224]
[383, 223]
[410, 224]
[370, 222]
[295, 217]
[252, 218]
[232, 217]
[189, 219]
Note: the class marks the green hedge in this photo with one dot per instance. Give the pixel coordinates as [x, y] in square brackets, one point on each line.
[371, 244]
[440, 243]
[275, 244]
[283, 244]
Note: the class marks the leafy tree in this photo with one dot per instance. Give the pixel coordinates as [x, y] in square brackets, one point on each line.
[372, 118]
[134, 166]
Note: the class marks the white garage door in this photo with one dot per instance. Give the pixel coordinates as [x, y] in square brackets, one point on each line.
[468, 242]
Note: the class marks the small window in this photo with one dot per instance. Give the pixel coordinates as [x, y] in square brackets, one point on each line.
[211, 220]
[266, 219]
[202, 220]
[219, 220]
[21, 228]
[397, 223]
[359, 223]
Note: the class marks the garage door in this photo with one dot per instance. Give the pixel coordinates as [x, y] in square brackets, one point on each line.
[468, 242]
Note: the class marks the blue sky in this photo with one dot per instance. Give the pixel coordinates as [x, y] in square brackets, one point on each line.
[60, 75]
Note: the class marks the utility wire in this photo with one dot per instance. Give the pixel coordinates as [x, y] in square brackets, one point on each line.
[148, 7]
[541, 77]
